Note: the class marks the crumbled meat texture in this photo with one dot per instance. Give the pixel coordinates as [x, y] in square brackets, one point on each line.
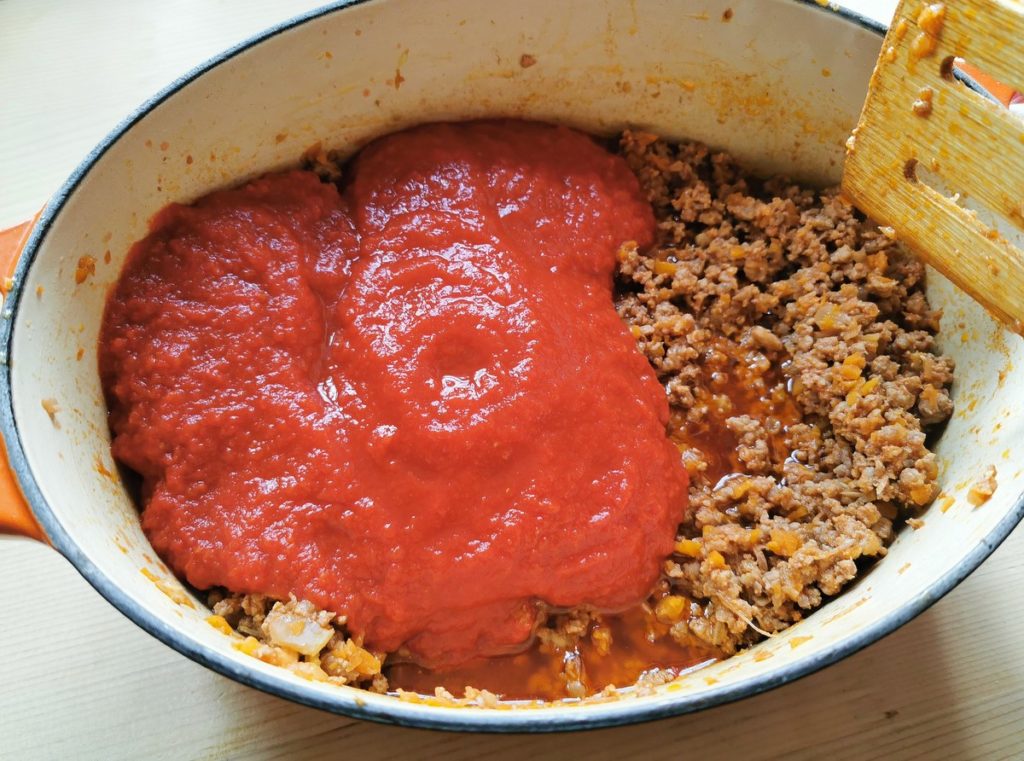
[563, 631]
[822, 317]
[758, 280]
[326, 164]
[983, 489]
[298, 636]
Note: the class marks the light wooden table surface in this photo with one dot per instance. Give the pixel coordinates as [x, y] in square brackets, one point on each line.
[78, 681]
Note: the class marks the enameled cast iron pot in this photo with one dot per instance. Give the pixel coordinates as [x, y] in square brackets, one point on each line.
[779, 83]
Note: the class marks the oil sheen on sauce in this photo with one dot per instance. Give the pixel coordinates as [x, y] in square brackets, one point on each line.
[616, 650]
[409, 401]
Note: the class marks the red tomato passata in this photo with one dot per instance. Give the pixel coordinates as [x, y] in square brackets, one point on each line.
[411, 401]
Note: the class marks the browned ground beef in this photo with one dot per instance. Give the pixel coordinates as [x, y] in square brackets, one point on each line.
[296, 635]
[783, 317]
[797, 351]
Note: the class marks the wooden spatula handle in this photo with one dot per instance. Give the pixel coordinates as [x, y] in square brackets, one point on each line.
[927, 147]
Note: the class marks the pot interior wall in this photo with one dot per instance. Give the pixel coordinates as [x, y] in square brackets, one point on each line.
[777, 83]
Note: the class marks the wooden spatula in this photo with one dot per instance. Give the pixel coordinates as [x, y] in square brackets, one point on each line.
[920, 125]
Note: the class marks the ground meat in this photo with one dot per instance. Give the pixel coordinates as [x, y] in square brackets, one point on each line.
[296, 635]
[797, 351]
[983, 489]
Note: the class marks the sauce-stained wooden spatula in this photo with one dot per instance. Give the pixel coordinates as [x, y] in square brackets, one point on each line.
[922, 127]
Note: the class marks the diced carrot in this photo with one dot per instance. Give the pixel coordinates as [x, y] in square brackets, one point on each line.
[688, 547]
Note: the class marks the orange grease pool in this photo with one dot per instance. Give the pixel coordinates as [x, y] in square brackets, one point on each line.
[409, 401]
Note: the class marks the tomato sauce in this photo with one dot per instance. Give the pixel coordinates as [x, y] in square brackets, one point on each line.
[409, 400]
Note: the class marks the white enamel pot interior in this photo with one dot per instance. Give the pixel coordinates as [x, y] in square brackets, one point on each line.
[779, 84]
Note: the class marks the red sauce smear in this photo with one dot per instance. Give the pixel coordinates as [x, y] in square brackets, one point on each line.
[409, 401]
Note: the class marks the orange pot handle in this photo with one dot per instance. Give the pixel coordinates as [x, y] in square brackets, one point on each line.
[15, 516]
[1003, 93]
